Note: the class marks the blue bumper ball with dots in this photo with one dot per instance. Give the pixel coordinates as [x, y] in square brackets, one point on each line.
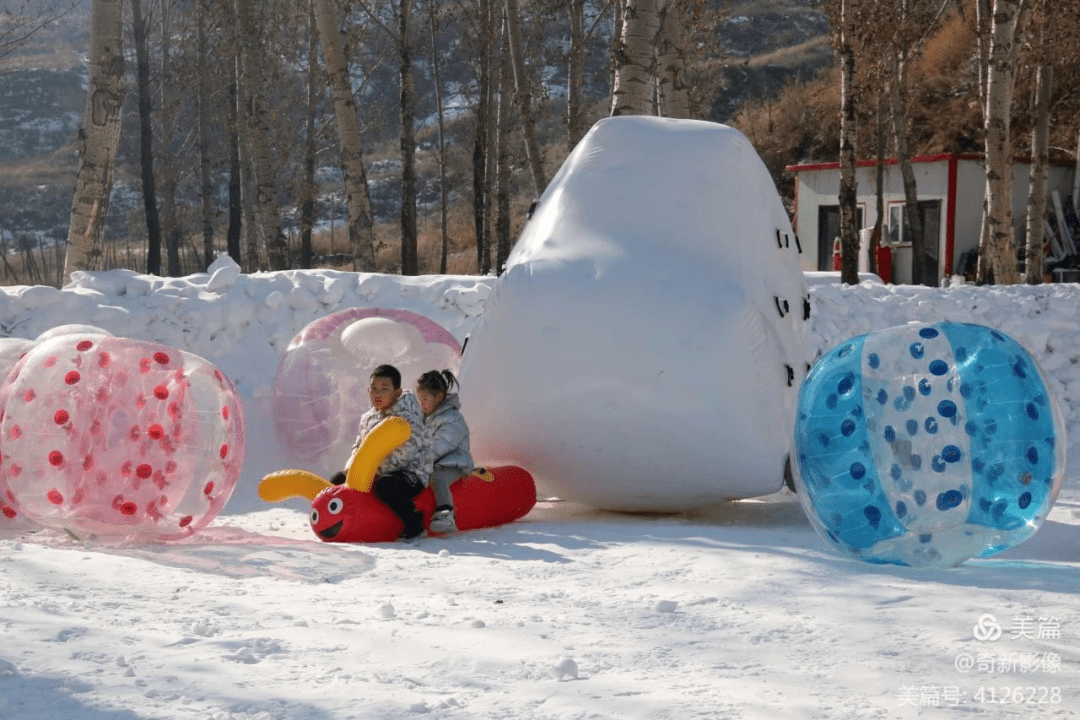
[927, 444]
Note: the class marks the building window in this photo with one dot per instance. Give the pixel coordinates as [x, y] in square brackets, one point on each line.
[900, 234]
[897, 233]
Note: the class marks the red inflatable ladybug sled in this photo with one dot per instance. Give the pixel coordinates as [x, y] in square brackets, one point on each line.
[351, 513]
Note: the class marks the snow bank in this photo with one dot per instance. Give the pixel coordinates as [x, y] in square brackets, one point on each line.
[1042, 318]
[244, 324]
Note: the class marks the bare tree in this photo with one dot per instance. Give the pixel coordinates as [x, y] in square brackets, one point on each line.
[1040, 151]
[907, 31]
[206, 187]
[849, 233]
[234, 231]
[401, 35]
[1008, 17]
[502, 152]
[358, 202]
[575, 73]
[880, 142]
[99, 138]
[635, 59]
[673, 96]
[522, 85]
[146, 139]
[407, 105]
[581, 31]
[436, 72]
[485, 30]
[167, 168]
[307, 182]
[254, 122]
[23, 18]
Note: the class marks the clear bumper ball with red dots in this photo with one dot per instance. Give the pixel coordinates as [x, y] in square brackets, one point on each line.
[118, 438]
[11, 350]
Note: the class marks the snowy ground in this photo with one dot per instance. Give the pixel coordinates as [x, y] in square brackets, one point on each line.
[738, 611]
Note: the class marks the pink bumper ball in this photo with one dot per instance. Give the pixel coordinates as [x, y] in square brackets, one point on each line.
[11, 350]
[118, 438]
[320, 389]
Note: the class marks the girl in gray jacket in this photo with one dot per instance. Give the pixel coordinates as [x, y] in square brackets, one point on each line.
[446, 443]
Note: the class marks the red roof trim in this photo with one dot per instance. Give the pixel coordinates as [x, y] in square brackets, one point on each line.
[937, 157]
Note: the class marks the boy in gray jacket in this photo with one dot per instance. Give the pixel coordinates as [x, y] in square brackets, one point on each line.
[446, 443]
[400, 477]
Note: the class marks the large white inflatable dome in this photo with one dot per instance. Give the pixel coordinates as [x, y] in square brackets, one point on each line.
[643, 348]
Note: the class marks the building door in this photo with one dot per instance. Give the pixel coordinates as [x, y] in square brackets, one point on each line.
[899, 234]
[829, 230]
[930, 214]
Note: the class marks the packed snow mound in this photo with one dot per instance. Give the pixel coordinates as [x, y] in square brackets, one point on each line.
[643, 349]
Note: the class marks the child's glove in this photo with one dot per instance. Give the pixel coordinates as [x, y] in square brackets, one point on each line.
[338, 478]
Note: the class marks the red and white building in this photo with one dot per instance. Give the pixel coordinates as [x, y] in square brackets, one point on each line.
[950, 190]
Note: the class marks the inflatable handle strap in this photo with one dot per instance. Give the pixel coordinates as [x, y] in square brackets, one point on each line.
[285, 484]
[383, 439]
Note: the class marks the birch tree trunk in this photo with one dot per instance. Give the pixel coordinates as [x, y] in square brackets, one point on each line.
[1040, 156]
[100, 138]
[635, 59]
[523, 93]
[849, 235]
[1000, 79]
[358, 202]
[982, 36]
[615, 51]
[253, 91]
[673, 96]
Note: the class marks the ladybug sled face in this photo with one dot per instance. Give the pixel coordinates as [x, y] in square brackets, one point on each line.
[328, 516]
[343, 514]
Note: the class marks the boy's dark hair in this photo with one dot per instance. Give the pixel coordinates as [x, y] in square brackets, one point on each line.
[436, 382]
[388, 371]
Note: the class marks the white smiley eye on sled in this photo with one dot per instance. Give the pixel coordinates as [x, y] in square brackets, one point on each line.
[335, 506]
